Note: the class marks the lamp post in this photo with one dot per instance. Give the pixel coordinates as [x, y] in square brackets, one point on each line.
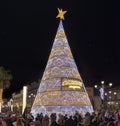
[110, 84]
[115, 96]
[31, 99]
[95, 86]
[103, 95]
[112, 98]
[101, 90]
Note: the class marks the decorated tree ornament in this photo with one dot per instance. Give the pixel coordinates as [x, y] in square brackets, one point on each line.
[61, 14]
[61, 88]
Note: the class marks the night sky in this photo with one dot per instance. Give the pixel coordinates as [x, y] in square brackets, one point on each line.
[27, 32]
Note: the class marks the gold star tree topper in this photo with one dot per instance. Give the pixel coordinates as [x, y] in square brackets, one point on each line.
[61, 14]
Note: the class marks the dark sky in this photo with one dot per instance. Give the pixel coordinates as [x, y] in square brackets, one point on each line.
[28, 28]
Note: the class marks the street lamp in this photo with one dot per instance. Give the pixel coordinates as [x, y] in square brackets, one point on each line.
[102, 82]
[115, 96]
[95, 86]
[106, 94]
[110, 84]
[31, 97]
[115, 93]
[103, 88]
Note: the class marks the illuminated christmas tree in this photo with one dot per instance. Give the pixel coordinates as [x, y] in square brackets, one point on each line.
[61, 88]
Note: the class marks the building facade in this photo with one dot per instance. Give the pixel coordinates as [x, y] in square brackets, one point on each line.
[112, 97]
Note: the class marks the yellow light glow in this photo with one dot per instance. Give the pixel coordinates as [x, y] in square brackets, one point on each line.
[57, 98]
[74, 87]
[61, 33]
[71, 83]
[55, 93]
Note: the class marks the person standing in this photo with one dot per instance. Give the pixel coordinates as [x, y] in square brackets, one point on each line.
[87, 119]
[45, 120]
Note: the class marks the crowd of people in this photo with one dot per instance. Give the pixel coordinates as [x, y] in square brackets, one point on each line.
[97, 118]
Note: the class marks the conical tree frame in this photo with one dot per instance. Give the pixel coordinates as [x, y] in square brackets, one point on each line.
[61, 89]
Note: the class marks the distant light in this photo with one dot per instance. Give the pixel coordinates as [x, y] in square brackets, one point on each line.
[95, 86]
[116, 103]
[102, 82]
[115, 93]
[105, 93]
[31, 94]
[110, 84]
[110, 92]
[110, 97]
